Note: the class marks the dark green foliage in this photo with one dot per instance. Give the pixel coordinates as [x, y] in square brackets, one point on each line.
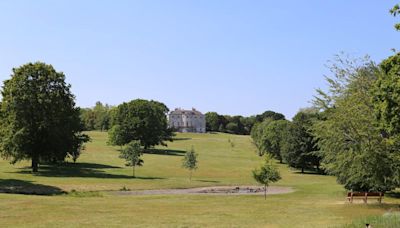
[349, 136]
[237, 124]
[132, 153]
[212, 121]
[232, 128]
[269, 115]
[38, 117]
[141, 120]
[266, 174]
[116, 136]
[268, 137]
[298, 147]
[386, 96]
[190, 161]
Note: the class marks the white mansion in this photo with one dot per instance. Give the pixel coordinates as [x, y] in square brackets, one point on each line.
[187, 120]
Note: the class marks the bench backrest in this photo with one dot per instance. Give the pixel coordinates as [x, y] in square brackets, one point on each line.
[349, 194]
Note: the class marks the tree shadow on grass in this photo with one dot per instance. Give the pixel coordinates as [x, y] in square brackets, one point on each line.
[209, 181]
[393, 194]
[309, 172]
[166, 152]
[90, 170]
[178, 139]
[14, 186]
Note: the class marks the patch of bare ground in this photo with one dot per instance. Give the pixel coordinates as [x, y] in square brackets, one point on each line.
[216, 190]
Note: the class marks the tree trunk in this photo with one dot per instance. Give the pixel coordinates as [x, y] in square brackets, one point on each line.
[133, 171]
[265, 192]
[302, 169]
[35, 163]
[190, 176]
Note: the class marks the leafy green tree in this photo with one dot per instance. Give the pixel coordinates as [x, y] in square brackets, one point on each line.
[349, 137]
[190, 162]
[141, 120]
[38, 117]
[386, 96]
[116, 136]
[97, 118]
[212, 121]
[248, 123]
[268, 137]
[266, 174]
[299, 147]
[395, 11]
[132, 154]
[101, 113]
[232, 128]
[269, 115]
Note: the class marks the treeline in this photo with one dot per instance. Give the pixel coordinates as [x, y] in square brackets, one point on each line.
[101, 117]
[237, 124]
[352, 131]
[97, 117]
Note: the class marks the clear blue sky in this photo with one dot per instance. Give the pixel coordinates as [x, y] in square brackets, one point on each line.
[233, 57]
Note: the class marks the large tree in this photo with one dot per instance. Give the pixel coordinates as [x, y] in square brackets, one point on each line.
[212, 121]
[299, 148]
[38, 117]
[141, 120]
[270, 115]
[350, 140]
[268, 137]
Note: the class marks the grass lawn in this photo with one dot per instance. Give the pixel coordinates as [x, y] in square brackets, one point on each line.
[317, 201]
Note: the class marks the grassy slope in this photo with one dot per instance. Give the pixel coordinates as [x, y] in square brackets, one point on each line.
[317, 202]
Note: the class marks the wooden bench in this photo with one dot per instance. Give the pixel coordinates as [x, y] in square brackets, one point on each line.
[364, 196]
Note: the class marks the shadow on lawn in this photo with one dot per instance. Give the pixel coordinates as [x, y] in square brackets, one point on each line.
[27, 187]
[178, 139]
[166, 152]
[310, 172]
[393, 194]
[209, 181]
[91, 170]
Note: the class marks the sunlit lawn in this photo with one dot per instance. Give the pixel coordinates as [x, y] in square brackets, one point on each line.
[317, 201]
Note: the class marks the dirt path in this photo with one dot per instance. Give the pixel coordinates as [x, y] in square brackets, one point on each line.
[216, 190]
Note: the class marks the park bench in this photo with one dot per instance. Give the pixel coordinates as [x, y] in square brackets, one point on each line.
[364, 196]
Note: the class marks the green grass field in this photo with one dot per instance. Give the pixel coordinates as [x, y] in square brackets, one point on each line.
[317, 201]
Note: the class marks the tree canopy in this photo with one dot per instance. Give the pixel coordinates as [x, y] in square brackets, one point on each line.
[38, 117]
[350, 141]
[141, 120]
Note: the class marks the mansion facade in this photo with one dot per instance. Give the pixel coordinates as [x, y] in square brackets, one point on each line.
[187, 120]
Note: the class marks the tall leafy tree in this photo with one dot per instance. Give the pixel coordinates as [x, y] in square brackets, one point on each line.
[350, 141]
[141, 120]
[270, 115]
[38, 117]
[268, 137]
[212, 121]
[299, 148]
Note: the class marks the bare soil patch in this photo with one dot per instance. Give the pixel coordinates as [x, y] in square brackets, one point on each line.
[215, 190]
